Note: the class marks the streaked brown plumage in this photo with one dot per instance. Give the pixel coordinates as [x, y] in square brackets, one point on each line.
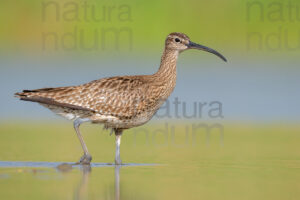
[120, 102]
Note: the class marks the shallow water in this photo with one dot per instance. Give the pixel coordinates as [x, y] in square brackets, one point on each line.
[209, 180]
[14, 164]
[248, 162]
[45, 172]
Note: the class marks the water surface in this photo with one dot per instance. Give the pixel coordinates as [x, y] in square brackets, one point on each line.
[252, 162]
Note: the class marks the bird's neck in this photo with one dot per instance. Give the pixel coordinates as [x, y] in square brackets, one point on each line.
[165, 77]
[167, 69]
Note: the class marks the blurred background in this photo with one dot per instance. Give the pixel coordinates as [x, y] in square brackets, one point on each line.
[252, 100]
[60, 43]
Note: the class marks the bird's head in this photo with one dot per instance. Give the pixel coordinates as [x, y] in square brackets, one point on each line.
[180, 42]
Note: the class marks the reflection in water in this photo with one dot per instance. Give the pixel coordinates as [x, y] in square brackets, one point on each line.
[117, 182]
[82, 188]
[81, 191]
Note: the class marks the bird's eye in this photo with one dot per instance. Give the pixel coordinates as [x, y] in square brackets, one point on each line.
[177, 40]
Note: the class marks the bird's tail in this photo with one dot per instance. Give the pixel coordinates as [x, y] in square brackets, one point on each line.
[47, 96]
[44, 92]
[34, 95]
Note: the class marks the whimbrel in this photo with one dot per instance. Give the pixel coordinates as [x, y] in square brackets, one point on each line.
[120, 102]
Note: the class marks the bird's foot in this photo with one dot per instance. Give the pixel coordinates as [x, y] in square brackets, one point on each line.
[118, 161]
[85, 159]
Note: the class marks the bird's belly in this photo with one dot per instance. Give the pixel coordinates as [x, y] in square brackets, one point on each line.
[68, 113]
[122, 123]
[109, 121]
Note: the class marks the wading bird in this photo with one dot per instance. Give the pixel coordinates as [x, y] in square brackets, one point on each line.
[120, 102]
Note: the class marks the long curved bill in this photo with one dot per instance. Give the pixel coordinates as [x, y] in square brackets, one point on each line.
[192, 45]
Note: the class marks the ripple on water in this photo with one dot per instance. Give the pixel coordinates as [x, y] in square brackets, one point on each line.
[14, 164]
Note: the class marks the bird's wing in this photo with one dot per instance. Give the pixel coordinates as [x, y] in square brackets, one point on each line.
[116, 96]
[123, 96]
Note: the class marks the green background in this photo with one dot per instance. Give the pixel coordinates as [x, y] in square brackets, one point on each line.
[257, 157]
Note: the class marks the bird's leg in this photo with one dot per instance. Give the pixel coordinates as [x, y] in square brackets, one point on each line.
[118, 133]
[86, 158]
